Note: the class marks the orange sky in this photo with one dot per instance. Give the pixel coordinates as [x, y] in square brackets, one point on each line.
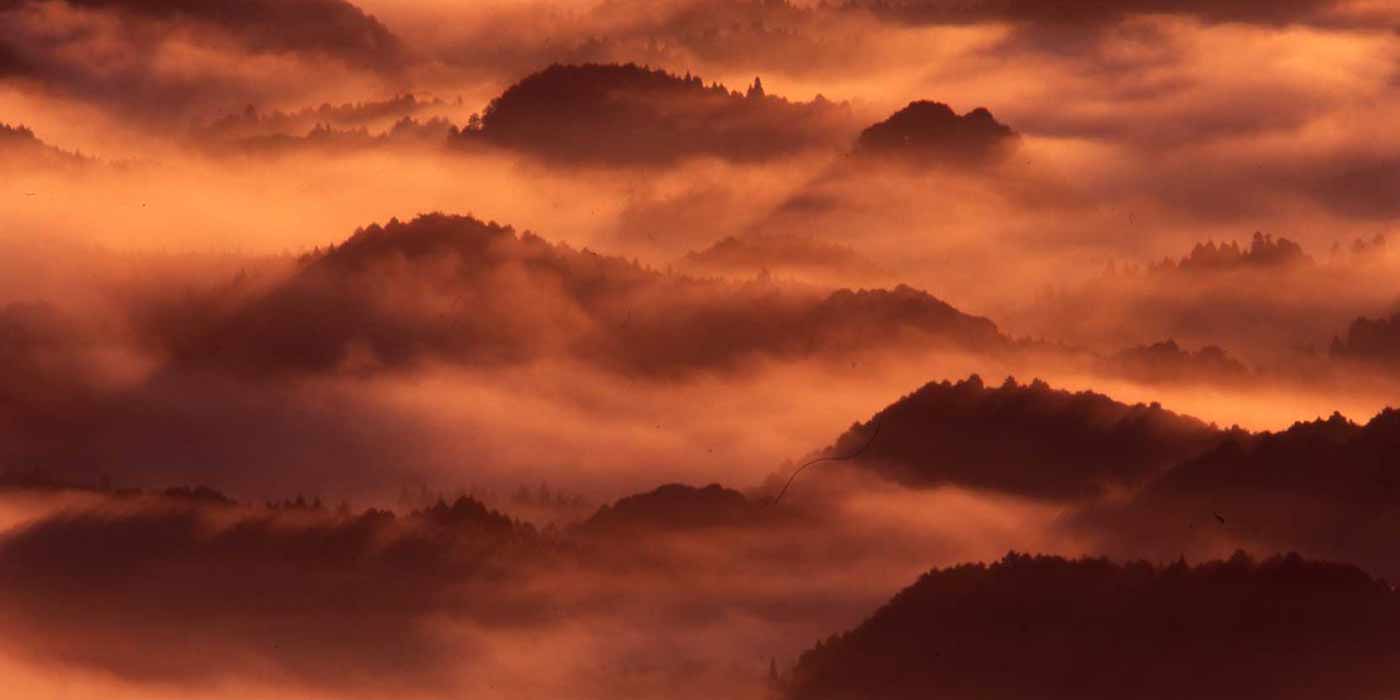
[255, 246]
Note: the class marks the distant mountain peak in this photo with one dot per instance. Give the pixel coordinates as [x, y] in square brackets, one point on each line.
[929, 132]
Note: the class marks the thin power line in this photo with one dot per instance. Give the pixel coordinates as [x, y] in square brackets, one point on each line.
[819, 460]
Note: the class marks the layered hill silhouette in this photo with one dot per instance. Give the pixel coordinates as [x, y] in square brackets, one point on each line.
[759, 253]
[1029, 440]
[303, 38]
[48, 376]
[630, 115]
[20, 147]
[673, 507]
[457, 290]
[1167, 362]
[358, 123]
[428, 134]
[1047, 627]
[1040, 15]
[931, 133]
[1370, 341]
[819, 229]
[1263, 252]
[332, 27]
[1271, 302]
[1326, 487]
[1332, 458]
[253, 122]
[318, 585]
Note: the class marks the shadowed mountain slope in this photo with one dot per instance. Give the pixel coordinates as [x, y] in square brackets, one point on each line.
[1047, 627]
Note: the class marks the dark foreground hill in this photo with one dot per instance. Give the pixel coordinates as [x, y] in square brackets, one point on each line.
[1328, 488]
[1050, 628]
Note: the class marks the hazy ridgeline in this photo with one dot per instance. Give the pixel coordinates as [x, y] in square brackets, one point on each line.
[417, 349]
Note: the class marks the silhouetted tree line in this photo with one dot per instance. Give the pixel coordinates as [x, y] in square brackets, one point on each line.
[335, 28]
[251, 122]
[1263, 251]
[1027, 439]
[756, 254]
[629, 114]
[1361, 247]
[407, 131]
[442, 288]
[19, 146]
[1168, 362]
[929, 133]
[544, 496]
[1088, 629]
[1373, 341]
[1327, 488]
[674, 507]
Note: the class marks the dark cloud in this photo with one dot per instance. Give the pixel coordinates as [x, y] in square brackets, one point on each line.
[12, 63]
[1049, 627]
[778, 33]
[630, 115]
[1093, 13]
[1362, 186]
[332, 27]
[725, 36]
[165, 61]
[177, 427]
